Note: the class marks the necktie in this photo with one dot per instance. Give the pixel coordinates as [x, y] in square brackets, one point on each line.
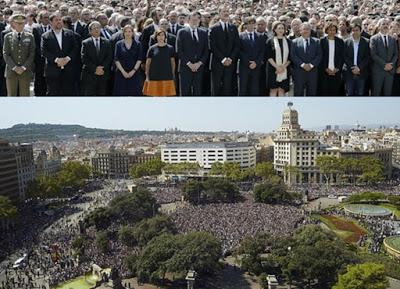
[105, 33]
[386, 43]
[194, 36]
[251, 37]
[19, 36]
[307, 45]
[226, 32]
[97, 46]
[173, 29]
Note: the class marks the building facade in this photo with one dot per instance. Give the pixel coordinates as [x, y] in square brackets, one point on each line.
[8, 171]
[48, 165]
[393, 139]
[113, 164]
[25, 167]
[296, 151]
[207, 153]
[16, 169]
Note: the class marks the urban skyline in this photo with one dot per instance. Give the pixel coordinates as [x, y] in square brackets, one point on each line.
[195, 114]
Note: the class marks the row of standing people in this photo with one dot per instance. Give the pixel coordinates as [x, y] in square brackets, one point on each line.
[129, 64]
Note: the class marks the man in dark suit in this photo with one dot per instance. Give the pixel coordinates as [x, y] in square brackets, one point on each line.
[225, 46]
[261, 26]
[59, 48]
[174, 27]
[192, 50]
[106, 32]
[77, 25]
[149, 31]
[40, 86]
[384, 56]
[96, 58]
[305, 55]
[4, 32]
[356, 61]
[252, 50]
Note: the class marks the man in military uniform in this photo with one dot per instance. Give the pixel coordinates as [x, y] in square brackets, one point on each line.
[19, 55]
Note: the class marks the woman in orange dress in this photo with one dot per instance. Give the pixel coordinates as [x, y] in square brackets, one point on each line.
[160, 67]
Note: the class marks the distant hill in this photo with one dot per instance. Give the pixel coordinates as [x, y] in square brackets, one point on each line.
[54, 132]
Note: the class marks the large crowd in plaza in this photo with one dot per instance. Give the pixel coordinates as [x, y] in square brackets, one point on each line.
[216, 48]
[230, 223]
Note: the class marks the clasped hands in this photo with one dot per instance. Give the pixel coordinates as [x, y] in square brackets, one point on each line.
[194, 66]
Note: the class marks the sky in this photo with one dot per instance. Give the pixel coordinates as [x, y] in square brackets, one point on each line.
[200, 114]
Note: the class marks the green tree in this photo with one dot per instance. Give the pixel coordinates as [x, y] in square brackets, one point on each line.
[100, 218]
[7, 210]
[126, 235]
[363, 276]
[150, 168]
[182, 168]
[103, 242]
[134, 207]
[264, 170]
[193, 190]
[328, 166]
[199, 251]
[372, 170]
[73, 174]
[316, 254]
[272, 191]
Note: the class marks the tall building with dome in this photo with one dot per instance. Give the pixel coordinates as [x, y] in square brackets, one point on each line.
[296, 151]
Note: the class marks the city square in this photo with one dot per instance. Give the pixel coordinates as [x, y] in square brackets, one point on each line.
[90, 208]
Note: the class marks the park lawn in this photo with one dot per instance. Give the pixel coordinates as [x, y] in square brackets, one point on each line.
[392, 208]
[349, 231]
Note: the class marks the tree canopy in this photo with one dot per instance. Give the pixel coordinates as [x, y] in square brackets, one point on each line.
[211, 190]
[272, 191]
[363, 276]
[176, 254]
[7, 209]
[149, 168]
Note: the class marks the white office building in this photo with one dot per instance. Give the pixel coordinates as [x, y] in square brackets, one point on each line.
[205, 154]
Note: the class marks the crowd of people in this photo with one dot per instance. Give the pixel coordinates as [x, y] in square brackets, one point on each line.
[200, 48]
[49, 257]
[230, 223]
[314, 191]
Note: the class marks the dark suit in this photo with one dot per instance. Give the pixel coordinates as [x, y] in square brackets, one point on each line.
[40, 86]
[145, 39]
[250, 51]
[355, 84]
[330, 85]
[106, 33]
[223, 44]
[59, 81]
[189, 50]
[82, 29]
[382, 80]
[263, 90]
[177, 28]
[94, 84]
[305, 79]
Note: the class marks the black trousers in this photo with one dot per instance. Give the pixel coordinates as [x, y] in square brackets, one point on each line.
[249, 81]
[222, 79]
[191, 83]
[39, 86]
[94, 86]
[63, 85]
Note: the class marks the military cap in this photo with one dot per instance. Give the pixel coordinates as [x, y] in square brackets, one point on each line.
[18, 18]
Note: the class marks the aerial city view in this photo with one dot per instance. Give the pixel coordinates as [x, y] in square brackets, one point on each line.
[308, 196]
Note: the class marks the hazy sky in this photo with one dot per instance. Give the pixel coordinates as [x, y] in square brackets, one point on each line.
[210, 114]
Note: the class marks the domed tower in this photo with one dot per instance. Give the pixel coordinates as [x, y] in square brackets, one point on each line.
[294, 149]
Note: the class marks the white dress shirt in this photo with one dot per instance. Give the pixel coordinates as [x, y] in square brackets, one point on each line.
[356, 45]
[331, 63]
[59, 37]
